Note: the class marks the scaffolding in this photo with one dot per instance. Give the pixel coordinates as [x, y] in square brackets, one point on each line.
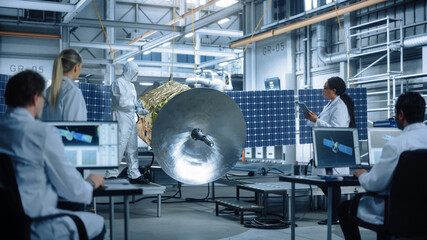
[383, 49]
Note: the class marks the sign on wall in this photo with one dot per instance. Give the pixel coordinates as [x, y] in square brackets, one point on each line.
[12, 66]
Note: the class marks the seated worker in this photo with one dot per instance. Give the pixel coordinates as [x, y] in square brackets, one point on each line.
[409, 116]
[43, 172]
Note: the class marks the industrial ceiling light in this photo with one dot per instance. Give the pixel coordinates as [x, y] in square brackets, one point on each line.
[166, 44]
[223, 64]
[130, 59]
[225, 3]
[145, 84]
[224, 20]
[188, 35]
[146, 52]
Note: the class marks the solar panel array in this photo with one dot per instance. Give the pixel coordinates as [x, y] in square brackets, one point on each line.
[98, 101]
[269, 116]
[97, 97]
[315, 101]
[3, 82]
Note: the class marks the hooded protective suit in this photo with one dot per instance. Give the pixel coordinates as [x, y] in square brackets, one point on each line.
[123, 104]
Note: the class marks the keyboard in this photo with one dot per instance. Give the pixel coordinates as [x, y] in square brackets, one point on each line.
[338, 176]
[116, 181]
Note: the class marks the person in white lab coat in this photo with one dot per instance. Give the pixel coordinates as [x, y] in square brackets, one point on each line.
[124, 102]
[65, 101]
[42, 170]
[409, 115]
[339, 112]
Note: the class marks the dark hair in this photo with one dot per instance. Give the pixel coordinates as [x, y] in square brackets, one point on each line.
[339, 85]
[22, 87]
[412, 105]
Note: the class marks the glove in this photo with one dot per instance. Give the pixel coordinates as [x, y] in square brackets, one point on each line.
[139, 106]
[142, 111]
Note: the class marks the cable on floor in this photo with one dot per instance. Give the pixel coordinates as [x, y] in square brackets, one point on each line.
[267, 223]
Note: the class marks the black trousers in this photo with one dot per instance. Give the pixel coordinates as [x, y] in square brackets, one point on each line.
[348, 226]
[336, 198]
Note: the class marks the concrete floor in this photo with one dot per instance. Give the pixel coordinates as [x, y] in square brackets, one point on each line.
[185, 220]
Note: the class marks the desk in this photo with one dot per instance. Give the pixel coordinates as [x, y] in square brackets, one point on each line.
[315, 180]
[118, 189]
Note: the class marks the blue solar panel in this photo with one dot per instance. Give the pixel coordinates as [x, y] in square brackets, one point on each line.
[98, 101]
[269, 116]
[97, 97]
[315, 101]
[3, 82]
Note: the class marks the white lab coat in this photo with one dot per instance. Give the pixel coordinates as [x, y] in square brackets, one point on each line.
[70, 104]
[378, 179]
[43, 174]
[123, 111]
[334, 114]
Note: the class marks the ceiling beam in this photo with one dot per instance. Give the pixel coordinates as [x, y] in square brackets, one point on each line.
[213, 18]
[38, 5]
[226, 12]
[177, 50]
[300, 24]
[220, 32]
[171, 22]
[84, 22]
[78, 7]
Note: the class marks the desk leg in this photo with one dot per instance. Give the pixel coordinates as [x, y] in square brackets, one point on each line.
[292, 211]
[159, 205]
[213, 191]
[111, 217]
[330, 213]
[126, 206]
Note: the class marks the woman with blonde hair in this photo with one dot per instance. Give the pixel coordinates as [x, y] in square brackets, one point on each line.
[65, 101]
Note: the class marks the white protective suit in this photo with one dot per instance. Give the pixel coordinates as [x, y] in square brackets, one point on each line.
[378, 179]
[43, 174]
[123, 111]
[70, 104]
[334, 114]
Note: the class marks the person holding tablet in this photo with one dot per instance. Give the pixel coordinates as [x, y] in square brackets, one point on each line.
[339, 112]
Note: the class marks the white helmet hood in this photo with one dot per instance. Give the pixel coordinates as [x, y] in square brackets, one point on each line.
[130, 71]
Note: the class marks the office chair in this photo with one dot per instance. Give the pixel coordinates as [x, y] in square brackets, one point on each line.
[14, 223]
[405, 207]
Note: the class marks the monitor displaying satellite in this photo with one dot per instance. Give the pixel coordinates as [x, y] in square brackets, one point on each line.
[377, 138]
[90, 144]
[336, 147]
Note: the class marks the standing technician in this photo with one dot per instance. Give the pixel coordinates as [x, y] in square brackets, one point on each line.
[123, 105]
[65, 101]
[339, 112]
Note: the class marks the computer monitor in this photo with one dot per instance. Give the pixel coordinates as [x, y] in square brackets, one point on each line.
[272, 83]
[377, 138]
[335, 147]
[90, 145]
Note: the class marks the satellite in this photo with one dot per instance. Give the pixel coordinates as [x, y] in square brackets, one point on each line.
[337, 147]
[70, 135]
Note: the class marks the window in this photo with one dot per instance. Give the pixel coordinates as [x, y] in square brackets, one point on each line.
[184, 58]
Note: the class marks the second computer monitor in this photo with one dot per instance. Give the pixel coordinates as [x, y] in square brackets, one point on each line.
[336, 147]
[90, 144]
[377, 137]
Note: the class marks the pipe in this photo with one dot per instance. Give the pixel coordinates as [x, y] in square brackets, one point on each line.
[33, 35]
[409, 42]
[300, 24]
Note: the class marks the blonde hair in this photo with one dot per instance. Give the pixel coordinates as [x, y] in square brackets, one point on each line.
[64, 62]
